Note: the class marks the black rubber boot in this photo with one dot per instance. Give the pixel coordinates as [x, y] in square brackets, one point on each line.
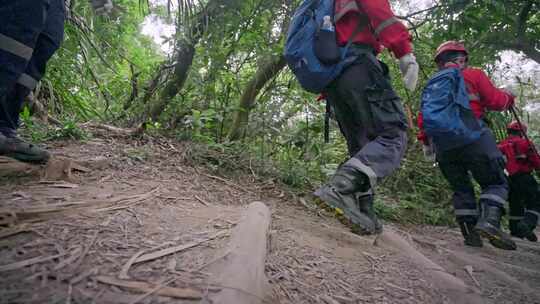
[18, 149]
[531, 237]
[525, 227]
[341, 192]
[365, 204]
[470, 236]
[512, 225]
[489, 226]
[348, 180]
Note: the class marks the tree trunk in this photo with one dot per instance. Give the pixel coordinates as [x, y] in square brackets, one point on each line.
[265, 72]
[184, 58]
[213, 14]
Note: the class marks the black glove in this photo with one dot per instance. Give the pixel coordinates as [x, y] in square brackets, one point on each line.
[102, 7]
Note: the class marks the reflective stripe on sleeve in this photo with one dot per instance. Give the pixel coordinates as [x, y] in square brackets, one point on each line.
[386, 23]
[14, 47]
[515, 218]
[351, 5]
[27, 81]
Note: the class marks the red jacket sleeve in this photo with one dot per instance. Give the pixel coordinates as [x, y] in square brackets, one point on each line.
[491, 97]
[389, 30]
[421, 136]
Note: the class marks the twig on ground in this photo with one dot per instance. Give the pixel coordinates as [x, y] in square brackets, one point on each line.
[202, 201]
[154, 290]
[179, 293]
[171, 250]
[71, 259]
[227, 182]
[125, 269]
[469, 270]
[84, 275]
[32, 261]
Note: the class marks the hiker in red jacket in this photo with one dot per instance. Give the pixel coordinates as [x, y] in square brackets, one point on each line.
[521, 160]
[481, 159]
[368, 110]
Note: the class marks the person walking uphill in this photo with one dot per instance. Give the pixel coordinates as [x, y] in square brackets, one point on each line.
[453, 105]
[369, 112]
[30, 33]
[521, 160]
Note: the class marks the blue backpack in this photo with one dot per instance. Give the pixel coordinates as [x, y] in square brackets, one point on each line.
[299, 52]
[448, 118]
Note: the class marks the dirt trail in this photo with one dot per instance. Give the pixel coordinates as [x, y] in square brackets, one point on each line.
[66, 242]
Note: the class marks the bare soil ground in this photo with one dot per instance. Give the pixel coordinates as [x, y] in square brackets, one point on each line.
[138, 212]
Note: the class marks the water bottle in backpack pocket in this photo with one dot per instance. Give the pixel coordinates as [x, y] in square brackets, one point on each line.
[448, 118]
[312, 53]
[326, 48]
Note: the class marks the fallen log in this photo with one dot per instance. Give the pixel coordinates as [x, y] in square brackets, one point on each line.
[451, 286]
[10, 167]
[240, 271]
[56, 169]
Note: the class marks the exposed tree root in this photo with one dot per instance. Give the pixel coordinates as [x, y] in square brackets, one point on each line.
[454, 288]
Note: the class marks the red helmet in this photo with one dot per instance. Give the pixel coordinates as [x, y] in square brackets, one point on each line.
[451, 45]
[516, 126]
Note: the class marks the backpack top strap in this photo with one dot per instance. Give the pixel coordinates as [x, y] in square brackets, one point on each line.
[363, 22]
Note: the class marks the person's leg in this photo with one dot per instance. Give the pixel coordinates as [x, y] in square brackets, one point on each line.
[22, 23]
[46, 45]
[515, 203]
[529, 193]
[465, 207]
[340, 191]
[376, 143]
[486, 164]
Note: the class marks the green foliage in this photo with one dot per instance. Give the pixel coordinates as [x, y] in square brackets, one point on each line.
[108, 71]
[40, 132]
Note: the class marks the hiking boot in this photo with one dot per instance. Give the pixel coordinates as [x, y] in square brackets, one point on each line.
[18, 149]
[349, 180]
[515, 231]
[470, 236]
[342, 191]
[348, 203]
[531, 237]
[525, 227]
[365, 204]
[489, 226]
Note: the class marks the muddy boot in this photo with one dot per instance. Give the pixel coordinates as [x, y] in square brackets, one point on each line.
[470, 236]
[489, 226]
[525, 227]
[18, 149]
[340, 192]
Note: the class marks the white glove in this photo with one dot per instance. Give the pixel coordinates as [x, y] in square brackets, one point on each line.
[409, 68]
[429, 153]
[510, 90]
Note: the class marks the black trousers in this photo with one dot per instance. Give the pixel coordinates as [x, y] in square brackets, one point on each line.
[524, 194]
[370, 116]
[481, 161]
[30, 33]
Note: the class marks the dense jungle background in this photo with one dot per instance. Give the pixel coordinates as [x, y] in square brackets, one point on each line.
[211, 73]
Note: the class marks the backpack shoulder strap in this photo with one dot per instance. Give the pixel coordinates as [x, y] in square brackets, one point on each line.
[363, 22]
